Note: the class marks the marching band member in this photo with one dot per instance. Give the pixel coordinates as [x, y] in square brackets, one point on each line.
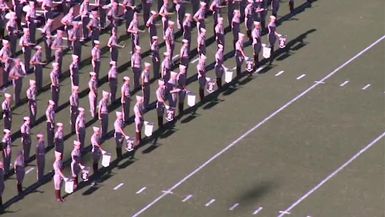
[80, 128]
[32, 103]
[19, 167]
[25, 130]
[7, 112]
[58, 176]
[125, 99]
[138, 111]
[7, 149]
[40, 157]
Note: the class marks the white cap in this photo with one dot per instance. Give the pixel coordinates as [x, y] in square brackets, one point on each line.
[202, 57]
[182, 66]
[119, 114]
[256, 23]
[25, 30]
[187, 14]
[139, 98]
[51, 102]
[241, 35]
[203, 3]
[38, 47]
[146, 64]
[96, 42]
[126, 78]
[105, 93]
[220, 46]
[59, 124]
[76, 142]
[58, 154]
[6, 131]
[7, 95]
[160, 82]
[95, 129]
[185, 41]
[273, 17]
[138, 48]
[5, 41]
[154, 12]
[203, 30]
[55, 64]
[113, 62]
[75, 56]
[92, 73]
[26, 118]
[40, 135]
[75, 88]
[81, 109]
[154, 37]
[166, 54]
[171, 23]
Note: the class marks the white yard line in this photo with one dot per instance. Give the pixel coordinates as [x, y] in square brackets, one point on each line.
[118, 186]
[366, 86]
[279, 73]
[306, 195]
[344, 83]
[195, 171]
[142, 189]
[257, 210]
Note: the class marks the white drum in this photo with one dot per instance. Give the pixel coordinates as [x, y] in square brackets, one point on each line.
[228, 76]
[210, 85]
[191, 98]
[148, 128]
[106, 160]
[282, 41]
[26, 8]
[266, 51]
[130, 144]
[69, 186]
[170, 114]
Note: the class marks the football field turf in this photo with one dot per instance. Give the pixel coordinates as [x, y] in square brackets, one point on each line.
[303, 137]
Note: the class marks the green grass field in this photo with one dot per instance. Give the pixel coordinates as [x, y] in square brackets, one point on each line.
[257, 147]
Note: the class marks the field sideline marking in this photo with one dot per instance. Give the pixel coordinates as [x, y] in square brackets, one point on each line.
[366, 86]
[210, 202]
[118, 186]
[29, 170]
[279, 73]
[187, 198]
[344, 83]
[363, 150]
[234, 206]
[301, 76]
[256, 127]
[142, 189]
[257, 210]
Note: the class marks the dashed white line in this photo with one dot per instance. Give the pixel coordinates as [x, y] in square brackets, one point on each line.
[141, 190]
[260, 69]
[366, 86]
[195, 60]
[234, 206]
[344, 83]
[306, 195]
[188, 197]
[258, 210]
[259, 124]
[279, 73]
[301, 76]
[118, 186]
[174, 57]
[210, 202]
[29, 170]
